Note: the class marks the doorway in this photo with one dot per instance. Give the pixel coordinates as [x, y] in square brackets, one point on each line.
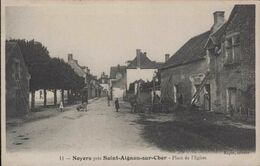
[231, 100]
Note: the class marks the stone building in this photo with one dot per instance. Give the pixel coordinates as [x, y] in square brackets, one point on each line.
[117, 81]
[183, 72]
[231, 51]
[17, 81]
[216, 70]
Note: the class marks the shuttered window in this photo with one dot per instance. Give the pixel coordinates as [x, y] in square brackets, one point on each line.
[232, 49]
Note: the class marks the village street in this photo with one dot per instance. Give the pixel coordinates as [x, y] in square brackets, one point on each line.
[100, 128]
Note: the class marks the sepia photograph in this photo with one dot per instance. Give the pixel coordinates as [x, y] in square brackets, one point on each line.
[129, 83]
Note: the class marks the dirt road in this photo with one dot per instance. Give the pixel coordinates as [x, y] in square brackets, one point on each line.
[100, 128]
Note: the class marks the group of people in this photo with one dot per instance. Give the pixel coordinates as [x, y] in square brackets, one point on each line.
[84, 103]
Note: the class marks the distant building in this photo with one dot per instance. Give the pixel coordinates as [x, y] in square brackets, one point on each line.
[17, 81]
[95, 87]
[141, 67]
[103, 79]
[117, 81]
[91, 83]
[104, 82]
[81, 71]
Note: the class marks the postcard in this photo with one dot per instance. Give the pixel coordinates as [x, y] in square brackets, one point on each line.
[129, 83]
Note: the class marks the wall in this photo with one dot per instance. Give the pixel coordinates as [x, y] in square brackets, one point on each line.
[136, 74]
[118, 93]
[17, 105]
[119, 87]
[145, 97]
[105, 86]
[240, 75]
[180, 76]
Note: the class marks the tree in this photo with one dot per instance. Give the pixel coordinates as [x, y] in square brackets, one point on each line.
[35, 56]
[47, 73]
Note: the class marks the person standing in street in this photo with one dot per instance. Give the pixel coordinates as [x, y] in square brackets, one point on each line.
[117, 104]
[133, 104]
[84, 101]
[61, 106]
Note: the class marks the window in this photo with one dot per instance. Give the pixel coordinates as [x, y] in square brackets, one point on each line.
[232, 45]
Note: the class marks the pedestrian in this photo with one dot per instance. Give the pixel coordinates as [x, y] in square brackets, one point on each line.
[180, 100]
[61, 106]
[133, 104]
[206, 101]
[85, 106]
[117, 104]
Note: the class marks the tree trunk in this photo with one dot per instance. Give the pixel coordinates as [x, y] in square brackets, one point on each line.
[55, 97]
[68, 96]
[45, 97]
[71, 97]
[33, 100]
[62, 96]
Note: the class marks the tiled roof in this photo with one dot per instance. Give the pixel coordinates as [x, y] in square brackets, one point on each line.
[191, 51]
[241, 17]
[145, 63]
[76, 67]
[115, 69]
[159, 64]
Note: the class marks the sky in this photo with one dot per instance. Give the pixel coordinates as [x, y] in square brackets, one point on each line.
[101, 35]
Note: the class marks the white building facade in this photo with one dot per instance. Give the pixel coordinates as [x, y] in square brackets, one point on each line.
[141, 67]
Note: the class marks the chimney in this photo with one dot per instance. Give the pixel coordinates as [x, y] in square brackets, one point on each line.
[138, 58]
[128, 63]
[167, 56]
[70, 57]
[219, 17]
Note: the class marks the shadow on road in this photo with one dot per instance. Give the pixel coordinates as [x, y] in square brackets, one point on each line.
[197, 136]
